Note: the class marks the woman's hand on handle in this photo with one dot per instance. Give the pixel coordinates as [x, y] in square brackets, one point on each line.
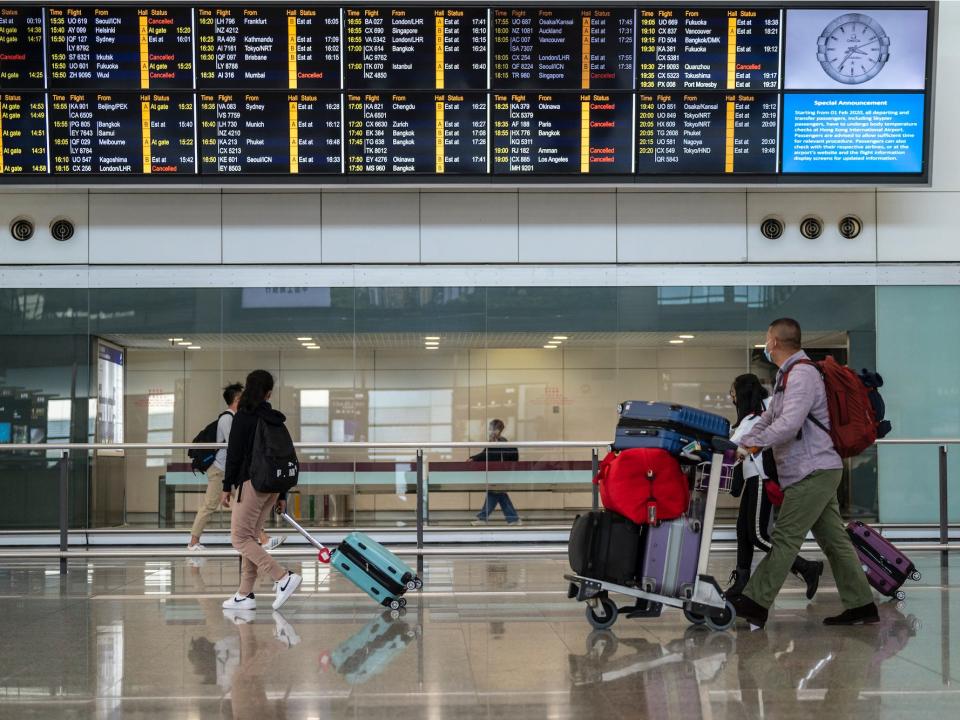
[281, 507]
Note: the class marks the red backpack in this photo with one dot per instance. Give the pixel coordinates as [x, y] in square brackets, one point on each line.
[643, 484]
[853, 424]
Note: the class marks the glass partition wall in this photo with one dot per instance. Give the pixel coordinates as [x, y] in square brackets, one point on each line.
[412, 364]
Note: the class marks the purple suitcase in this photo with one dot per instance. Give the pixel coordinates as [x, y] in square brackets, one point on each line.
[671, 552]
[887, 568]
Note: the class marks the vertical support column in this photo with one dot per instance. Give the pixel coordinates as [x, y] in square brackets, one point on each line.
[944, 504]
[421, 499]
[595, 462]
[64, 507]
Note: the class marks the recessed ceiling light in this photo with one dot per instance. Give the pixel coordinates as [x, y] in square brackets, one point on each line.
[175, 339]
[559, 337]
[760, 346]
[432, 337]
[313, 347]
[193, 347]
[431, 343]
[676, 342]
[307, 339]
[686, 337]
[549, 347]
[431, 347]
[184, 343]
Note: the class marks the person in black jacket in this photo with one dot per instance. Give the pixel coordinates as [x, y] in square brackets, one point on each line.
[497, 498]
[252, 507]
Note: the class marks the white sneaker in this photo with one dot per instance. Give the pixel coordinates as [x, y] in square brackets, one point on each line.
[285, 588]
[478, 522]
[239, 602]
[239, 617]
[195, 548]
[284, 631]
[274, 542]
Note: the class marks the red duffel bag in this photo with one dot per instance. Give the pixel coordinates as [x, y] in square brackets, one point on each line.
[643, 484]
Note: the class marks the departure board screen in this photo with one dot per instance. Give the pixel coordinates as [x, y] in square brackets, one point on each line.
[415, 47]
[404, 133]
[562, 133]
[465, 92]
[268, 47]
[563, 48]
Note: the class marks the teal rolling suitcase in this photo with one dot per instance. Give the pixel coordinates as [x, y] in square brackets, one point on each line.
[368, 565]
[367, 653]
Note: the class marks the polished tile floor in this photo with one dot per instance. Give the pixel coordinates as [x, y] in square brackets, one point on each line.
[487, 638]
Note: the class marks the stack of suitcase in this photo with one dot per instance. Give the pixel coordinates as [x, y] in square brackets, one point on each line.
[661, 558]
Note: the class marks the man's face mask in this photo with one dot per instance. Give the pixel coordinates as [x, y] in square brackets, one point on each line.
[767, 353]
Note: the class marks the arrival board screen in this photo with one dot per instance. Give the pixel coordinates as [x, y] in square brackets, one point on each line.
[506, 92]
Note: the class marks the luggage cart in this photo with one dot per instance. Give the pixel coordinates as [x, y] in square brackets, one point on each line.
[707, 605]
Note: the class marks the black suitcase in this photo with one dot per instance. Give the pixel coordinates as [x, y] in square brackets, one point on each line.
[605, 546]
[666, 426]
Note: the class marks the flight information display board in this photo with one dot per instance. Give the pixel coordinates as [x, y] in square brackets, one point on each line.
[505, 92]
[415, 47]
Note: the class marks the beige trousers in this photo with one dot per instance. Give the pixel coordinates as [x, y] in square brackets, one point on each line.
[210, 502]
[250, 513]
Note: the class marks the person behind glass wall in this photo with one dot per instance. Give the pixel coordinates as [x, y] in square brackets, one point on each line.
[211, 499]
[497, 498]
[252, 508]
[755, 517]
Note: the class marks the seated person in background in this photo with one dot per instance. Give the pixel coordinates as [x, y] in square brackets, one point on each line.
[497, 455]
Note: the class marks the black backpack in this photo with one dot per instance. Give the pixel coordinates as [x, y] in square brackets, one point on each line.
[202, 458]
[874, 381]
[274, 467]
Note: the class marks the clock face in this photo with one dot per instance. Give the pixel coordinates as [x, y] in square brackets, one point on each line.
[853, 48]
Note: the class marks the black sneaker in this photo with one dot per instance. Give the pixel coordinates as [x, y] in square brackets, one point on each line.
[738, 581]
[749, 610]
[810, 572]
[863, 615]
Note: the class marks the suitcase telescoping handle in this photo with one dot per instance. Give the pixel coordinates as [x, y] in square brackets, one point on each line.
[324, 554]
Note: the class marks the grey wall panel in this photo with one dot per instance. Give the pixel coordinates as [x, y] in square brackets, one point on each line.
[567, 227]
[918, 226]
[155, 228]
[681, 227]
[468, 227]
[371, 227]
[830, 207]
[272, 228]
[42, 209]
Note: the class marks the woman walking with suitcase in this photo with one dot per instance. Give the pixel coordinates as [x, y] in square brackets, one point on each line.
[252, 508]
[755, 517]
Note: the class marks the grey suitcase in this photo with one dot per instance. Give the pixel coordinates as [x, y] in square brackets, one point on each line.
[671, 552]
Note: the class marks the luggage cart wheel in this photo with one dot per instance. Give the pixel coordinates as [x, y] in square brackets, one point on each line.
[694, 618]
[915, 576]
[725, 620]
[901, 595]
[607, 616]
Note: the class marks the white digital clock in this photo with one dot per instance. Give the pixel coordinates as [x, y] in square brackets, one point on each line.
[853, 48]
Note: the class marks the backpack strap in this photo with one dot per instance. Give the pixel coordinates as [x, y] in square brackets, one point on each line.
[782, 387]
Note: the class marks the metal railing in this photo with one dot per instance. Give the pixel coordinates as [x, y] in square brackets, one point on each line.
[418, 448]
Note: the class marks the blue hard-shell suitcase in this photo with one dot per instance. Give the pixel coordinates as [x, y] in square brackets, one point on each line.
[368, 565]
[374, 569]
[666, 426]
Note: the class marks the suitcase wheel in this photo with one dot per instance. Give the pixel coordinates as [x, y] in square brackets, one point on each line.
[723, 621]
[901, 595]
[607, 616]
[395, 604]
[418, 584]
[915, 576]
[694, 618]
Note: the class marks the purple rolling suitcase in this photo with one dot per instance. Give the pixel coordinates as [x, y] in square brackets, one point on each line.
[671, 551]
[887, 568]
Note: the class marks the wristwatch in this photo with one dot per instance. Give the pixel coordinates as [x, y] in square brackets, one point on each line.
[853, 48]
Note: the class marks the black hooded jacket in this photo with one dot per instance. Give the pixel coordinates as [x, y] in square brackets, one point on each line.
[240, 445]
